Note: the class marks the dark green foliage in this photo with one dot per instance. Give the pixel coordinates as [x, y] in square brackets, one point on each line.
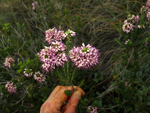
[97, 22]
[68, 92]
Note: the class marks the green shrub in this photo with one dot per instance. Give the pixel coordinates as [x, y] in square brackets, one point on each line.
[120, 83]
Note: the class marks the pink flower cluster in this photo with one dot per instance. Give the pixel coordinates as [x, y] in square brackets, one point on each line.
[127, 41]
[28, 72]
[10, 87]
[9, 61]
[71, 33]
[127, 84]
[53, 35]
[59, 46]
[132, 20]
[136, 19]
[145, 9]
[54, 55]
[148, 15]
[130, 23]
[33, 5]
[39, 77]
[84, 57]
[91, 109]
[148, 3]
[127, 26]
[146, 44]
[50, 57]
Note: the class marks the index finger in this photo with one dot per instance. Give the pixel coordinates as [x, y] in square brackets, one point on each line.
[73, 102]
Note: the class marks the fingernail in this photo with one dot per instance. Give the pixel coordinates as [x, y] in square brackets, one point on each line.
[78, 94]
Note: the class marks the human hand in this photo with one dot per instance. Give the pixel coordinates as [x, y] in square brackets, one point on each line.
[54, 103]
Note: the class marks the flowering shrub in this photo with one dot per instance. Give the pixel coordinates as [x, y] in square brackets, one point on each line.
[55, 58]
[35, 59]
[131, 89]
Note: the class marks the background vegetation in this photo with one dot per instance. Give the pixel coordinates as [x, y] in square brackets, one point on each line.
[22, 37]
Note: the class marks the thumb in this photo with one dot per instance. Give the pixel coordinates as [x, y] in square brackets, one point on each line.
[73, 102]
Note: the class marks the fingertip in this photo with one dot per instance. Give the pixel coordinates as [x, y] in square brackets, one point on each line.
[76, 88]
[73, 102]
[83, 93]
[78, 94]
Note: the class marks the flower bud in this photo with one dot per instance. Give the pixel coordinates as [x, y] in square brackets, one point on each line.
[148, 3]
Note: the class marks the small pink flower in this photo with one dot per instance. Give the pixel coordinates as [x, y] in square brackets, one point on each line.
[143, 9]
[33, 5]
[59, 46]
[10, 87]
[60, 35]
[127, 41]
[148, 28]
[9, 61]
[72, 33]
[127, 27]
[91, 109]
[28, 72]
[39, 77]
[148, 3]
[136, 19]
[146, 44]
[49, 34]
[127, 84]
[49, 64]
[148, 15]
[130, 16]
[61, 59]
[47, 53]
